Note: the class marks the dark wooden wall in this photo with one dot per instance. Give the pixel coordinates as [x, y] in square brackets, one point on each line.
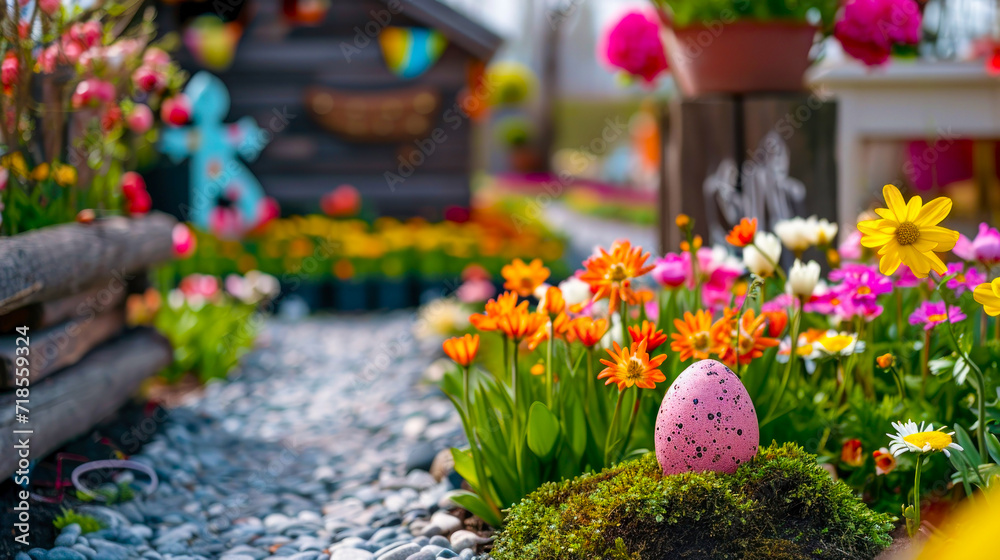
[277, 61]
[713, 134]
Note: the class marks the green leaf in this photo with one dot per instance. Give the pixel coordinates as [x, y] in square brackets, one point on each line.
[477, 506]
[993, 446]
[575, 428]
[543, 431]
[966, 442]
[465, 466]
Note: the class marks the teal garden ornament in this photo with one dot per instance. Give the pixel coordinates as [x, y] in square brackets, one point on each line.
[226, 198]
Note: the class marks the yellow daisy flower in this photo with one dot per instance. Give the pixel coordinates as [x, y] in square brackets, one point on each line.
[908, 233]
[988, 294]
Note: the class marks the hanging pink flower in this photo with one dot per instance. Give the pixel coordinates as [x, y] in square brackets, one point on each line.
[139, 203]
[49, 7]
[869, 28]
[176, 110]
[92, 92]
[88, 33]
[131, 184]
[140, 118]
[183, 240]
[10, 69]
[156, 58]
[985, 248]
[850, 249]
[932, 313]
[634, 45]
[147, 79]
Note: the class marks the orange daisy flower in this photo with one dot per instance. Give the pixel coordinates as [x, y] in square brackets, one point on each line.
[632, 366]
[611, 274]
[553, 304]
[743, 233]
[560, 327]
[588, 331]
[776, 322]
[495, 308]
[524, 278]
[648, 332]
[697, 337]
[751, 341]
[520, 322]
[462, 349]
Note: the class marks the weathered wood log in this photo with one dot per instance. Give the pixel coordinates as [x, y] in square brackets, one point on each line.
[60, 346]
[73, 401]
[58, 261]
[106, 294]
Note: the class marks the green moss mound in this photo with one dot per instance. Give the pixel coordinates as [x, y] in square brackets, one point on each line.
[780, 506]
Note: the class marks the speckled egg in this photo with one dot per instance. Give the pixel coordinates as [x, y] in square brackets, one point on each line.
[706, 422]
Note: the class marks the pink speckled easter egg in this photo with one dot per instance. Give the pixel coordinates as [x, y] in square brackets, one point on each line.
[706, 422]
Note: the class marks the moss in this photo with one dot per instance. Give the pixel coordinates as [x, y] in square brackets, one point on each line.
[782, 505]
[87, 523]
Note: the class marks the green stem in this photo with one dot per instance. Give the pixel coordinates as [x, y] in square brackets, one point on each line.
[589, 381]
[611, 429]
[914, 526]
[548, 365]
[925, 358]
[506, 354]
[632, 419]
[776, 400]
[980, 390]
[624, 317]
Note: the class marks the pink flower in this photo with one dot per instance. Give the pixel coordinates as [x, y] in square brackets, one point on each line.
[93, 92]
[156, 58]
[476, 290]
[88, 33]
[140, 203]
[49, 7]
[851, 308]
[4, 176]
[148, 79]
[905, 278]
[964, 279]
[202, 285]
[132, 183]
[933, 313]
[269, 210]
[176, 110]
[47, 59]
[10, 69]
[985, 248]
[139, 119]
[183, 240]
[869, 28]
[861, 281]
[634, 45]
[850, 249]
[672, 270]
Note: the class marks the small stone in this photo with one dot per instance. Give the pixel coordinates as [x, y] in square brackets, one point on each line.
[431, 530]
[447, 553]
[400, 553]
[72, 529]
[422, 555]
[22, 556]
[447, 522]
[442, 465]
[351, 554]
[63, 553]
[462, 540]
[66, 540]
[440, 541]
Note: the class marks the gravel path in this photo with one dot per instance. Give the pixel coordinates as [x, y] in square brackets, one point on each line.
[306, 453]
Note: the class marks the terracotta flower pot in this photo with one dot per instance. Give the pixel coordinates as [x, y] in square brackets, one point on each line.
[738, 57]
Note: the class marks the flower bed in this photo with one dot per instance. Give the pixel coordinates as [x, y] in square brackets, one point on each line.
[839, 366]
[351, 264]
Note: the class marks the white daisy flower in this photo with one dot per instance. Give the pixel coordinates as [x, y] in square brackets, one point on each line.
[920, 439]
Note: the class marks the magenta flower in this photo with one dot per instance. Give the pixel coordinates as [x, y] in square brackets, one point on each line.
[850, 249]
[850, 308]
[672, 270]
[964, 279]
[985, 248]
[869, 28]
[634, 45]
[932, 313]
[905, 278]
[861, 281]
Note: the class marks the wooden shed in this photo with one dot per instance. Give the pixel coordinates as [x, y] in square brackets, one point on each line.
[338, 108]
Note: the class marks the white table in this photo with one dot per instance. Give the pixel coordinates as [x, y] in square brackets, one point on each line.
[936, 101]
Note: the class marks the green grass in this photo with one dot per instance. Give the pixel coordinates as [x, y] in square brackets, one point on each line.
[87, 523]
